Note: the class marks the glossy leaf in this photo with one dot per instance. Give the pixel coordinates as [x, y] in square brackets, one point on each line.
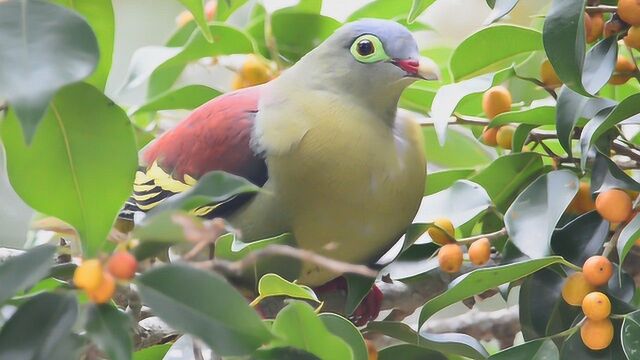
[441, 180]
[542, 349]
[417, 97]
[145, 60]
[449, 96]
[382, 9]
[520, 137]
[20, 272]
[599, 64]
[44, 47]
[283, 353]
[630, 335]
[539, 116]
[605, 175]
[417, 8]
[274, 285]
[37, 327]
[295, 44]
[630, 233]
[205, 305]
[226, 8]
[110, 329]
[212, 188]
[85, 149]
[533, 215]
[157, 233]
[409, 352]
[479, 280]
[230, 248]
[297, 325]
[471, 57]
[449, 343]
[345, 330]
[460, 150]
[507, 175]
[580, 238]
[459, 203]
[155, 352]
[357, 289]
[539, 300]
[188, 97]
[196, 8]
[500, 9]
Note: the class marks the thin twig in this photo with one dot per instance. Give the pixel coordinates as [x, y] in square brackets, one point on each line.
[491, 236]
[601, 9]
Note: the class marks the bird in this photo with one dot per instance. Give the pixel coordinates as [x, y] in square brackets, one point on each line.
[340, 171]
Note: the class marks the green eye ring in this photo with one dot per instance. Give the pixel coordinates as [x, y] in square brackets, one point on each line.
[368, 49]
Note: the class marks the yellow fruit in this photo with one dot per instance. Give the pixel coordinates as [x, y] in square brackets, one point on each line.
[495, 101]
[614, 205]
[253, 72]
[105, 291]
[183, 18]
[504, 137]
[88, 275]
[489, 136]
[582, 202]
[629, 11]
[624, 66]
[575, 288]
[633, 37]
[480, 251]
[438, 235]
[596, 306]
[450, 258]
[548, 75]
[594, 28]
[597, 334]
[597, 270]
[372, 352]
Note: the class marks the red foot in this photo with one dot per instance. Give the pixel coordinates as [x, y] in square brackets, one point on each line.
[368, 309]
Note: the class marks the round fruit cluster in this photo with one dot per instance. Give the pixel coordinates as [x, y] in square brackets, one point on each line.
[450, 254]
[496, 101]
[254, 71]
[98, 281]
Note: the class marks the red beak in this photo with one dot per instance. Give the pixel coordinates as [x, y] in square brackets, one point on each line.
[410, 66]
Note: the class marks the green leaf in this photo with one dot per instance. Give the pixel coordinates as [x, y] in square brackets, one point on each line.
[99, 14]
[449, 343]
[226, 8]
[409, 352]
[459, 203]
[345, 330]
[460, 150]
[533, 215]
[541, 349]
[449, 96]
[599, 64]
[630, 233]
[274, 285]
[157, 233]
[357, 289]
[580, 238]
[205, 305]
[441, 180]
[44, 47]
[539, 116]
[605, 175]
[483, 279]
[507, 175]
[20, 272]
[630, 335]
[213, 187]
[155, 352]
[188, 97]
[228, 247]
[471, 57]
[382, 9]
[196, 8]
[110, 329]
[37, 327]
[85, 149]
[311, 30]
[500, 9]
[145, 60]
[418, 97]
[298, 325]
[310, 6]
[283, 353]
[417, 8]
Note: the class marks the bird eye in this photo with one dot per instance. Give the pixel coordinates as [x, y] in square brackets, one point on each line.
[368, 49]
[365, 47]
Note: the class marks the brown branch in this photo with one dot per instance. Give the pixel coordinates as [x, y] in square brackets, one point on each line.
[601, 9]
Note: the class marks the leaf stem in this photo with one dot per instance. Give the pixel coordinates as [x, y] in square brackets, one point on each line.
[491, 236]
[601, 9]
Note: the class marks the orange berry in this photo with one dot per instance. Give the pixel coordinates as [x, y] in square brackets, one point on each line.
[549, 76]
[122, 265]
[629, 11]
[450, 258]
[582, 202]
[372, 352]
[504, 137]
[495, 101]
[489, 136]
[575, 288]
[624, 66]
[210, 9]
[597, 334]
[105, 291]
[183, 18]
[88, 275]
[438, 235]
[614, 205]
[633, 38]
[596, 306]
[597, 270]
[480, 251]
[596, 25]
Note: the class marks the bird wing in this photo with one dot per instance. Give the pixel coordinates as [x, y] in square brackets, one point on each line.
[215, 136]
